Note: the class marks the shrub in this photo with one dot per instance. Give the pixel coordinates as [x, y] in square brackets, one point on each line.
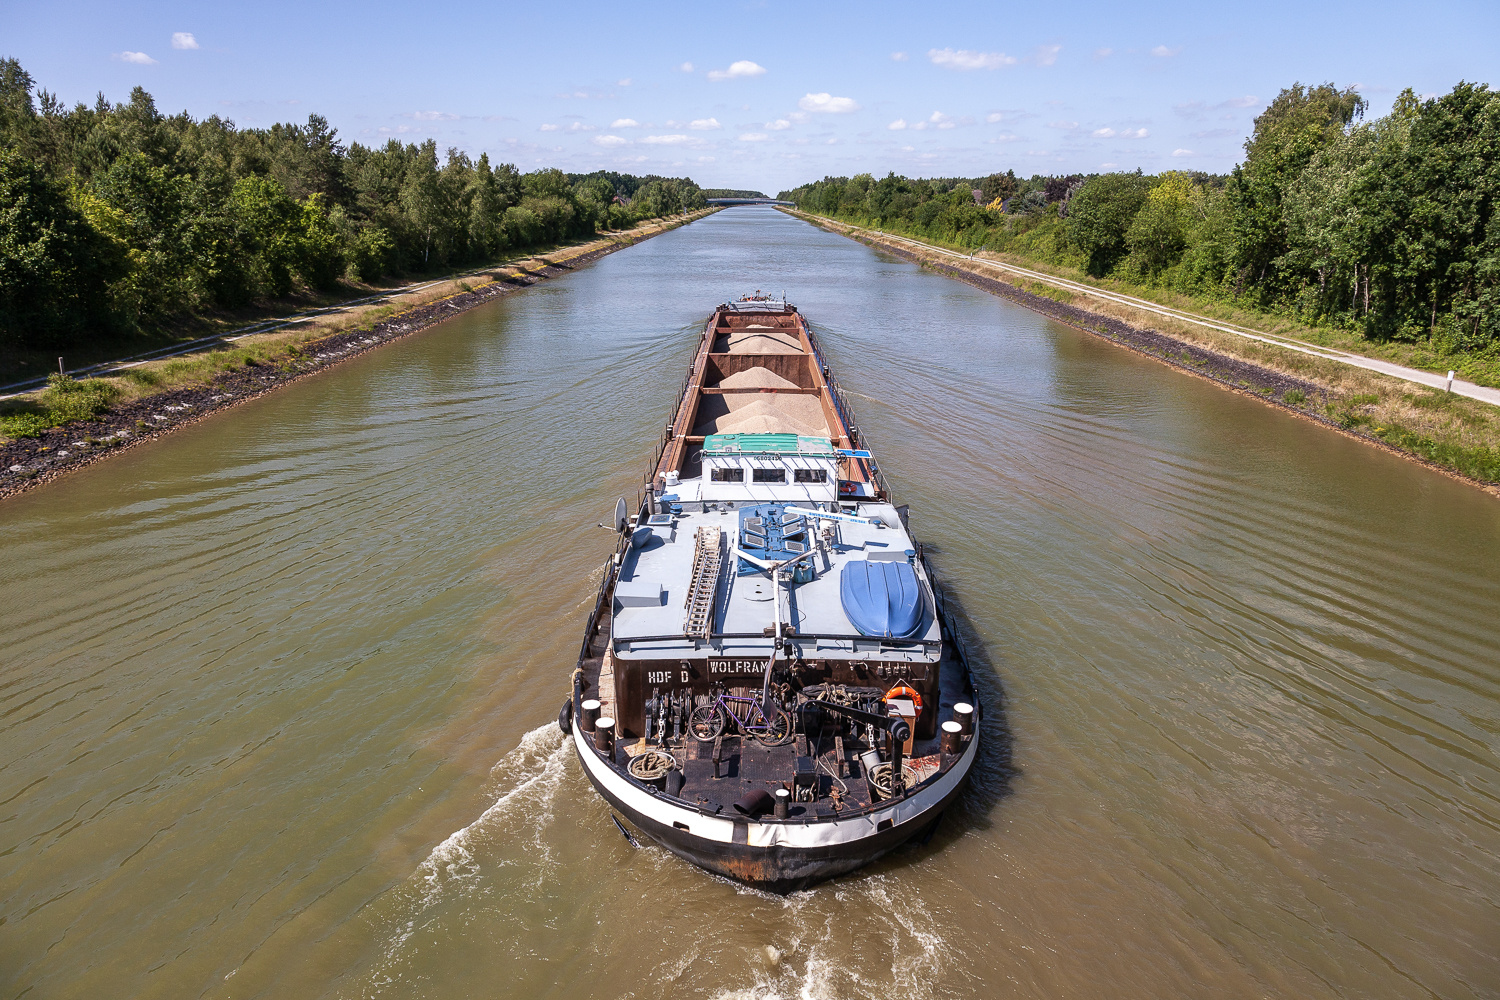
[23, 425]
[68, 399]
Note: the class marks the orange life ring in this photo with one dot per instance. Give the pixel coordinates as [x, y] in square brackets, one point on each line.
[902, 691]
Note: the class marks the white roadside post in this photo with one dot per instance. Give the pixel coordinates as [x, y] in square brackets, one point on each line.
[1450, 381]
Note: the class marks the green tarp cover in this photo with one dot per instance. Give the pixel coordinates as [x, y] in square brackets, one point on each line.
[766, 444]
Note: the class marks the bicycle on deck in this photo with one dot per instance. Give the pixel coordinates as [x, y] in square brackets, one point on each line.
[761, 720]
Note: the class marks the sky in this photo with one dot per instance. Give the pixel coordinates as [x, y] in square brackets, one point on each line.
[763, 95]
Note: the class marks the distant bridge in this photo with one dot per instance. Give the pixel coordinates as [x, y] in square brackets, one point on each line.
[746, 201]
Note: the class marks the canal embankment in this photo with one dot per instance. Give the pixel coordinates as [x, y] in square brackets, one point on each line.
[1451, 433]
[144, 401]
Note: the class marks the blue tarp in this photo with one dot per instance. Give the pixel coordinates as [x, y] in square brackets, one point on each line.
[881, 598]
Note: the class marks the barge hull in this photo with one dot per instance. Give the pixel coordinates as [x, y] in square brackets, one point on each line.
[766, 565]
[778, 869]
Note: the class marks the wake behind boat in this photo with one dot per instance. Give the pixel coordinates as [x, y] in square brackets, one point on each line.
[770, 684]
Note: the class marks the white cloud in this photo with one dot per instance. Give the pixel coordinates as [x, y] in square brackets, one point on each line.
[1162, 52]
[432, 116]
[184, 40]
[704, 124]
[139, 58]
[1215, 133]
[1062, 125]
[754, 137]
[667, 140]
[969, 59]
[1248, 101]
[1108, 166]
[800, 117]
[1046, 55]
[899, 57]
[940, 120]
[1006, 137]
[609, 140]
[581, 127]
[737, 70]
[706, 159]
[623, 83]
[779, 125]
[1104, 53]
[827, 104]
[1183, 152]
[686, 67]
[624, 123]
[995, 117]
[549, 127]
[1134, 133]
[1103, 133]
[897, 125]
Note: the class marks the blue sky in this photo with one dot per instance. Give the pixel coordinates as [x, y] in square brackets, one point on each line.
[761, 95]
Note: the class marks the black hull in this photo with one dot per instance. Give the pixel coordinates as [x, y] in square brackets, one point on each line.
[778, 869]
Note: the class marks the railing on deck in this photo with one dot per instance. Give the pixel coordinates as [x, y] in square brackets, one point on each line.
[846, 413]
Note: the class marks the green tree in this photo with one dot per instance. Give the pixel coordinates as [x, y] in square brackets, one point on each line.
[17, 110]
[54, 266]
[1159, 233]
[271, 226]
[1297, 124]
[1099, 216]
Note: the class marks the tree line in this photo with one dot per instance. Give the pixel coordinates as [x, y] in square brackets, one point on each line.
[117, 217]
[1388, 226]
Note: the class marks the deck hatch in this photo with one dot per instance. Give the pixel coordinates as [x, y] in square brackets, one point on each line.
[771, 533]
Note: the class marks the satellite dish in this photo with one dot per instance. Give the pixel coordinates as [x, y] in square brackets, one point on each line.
[622, 514]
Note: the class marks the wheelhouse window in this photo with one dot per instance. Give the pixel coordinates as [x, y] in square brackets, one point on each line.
[810, 476]
[777, 475]
[723, 475]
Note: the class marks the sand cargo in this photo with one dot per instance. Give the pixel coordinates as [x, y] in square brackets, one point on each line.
[770, 684]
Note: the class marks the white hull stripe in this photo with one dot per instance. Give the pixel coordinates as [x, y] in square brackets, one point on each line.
[823, 832]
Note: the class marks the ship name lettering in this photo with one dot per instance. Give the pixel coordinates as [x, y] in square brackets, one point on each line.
[735, 666]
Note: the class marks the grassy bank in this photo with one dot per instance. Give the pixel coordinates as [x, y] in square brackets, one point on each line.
[1054, 257]
[1455, 433]
[66, 401]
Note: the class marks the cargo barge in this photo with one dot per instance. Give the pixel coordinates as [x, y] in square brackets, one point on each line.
[770, 684]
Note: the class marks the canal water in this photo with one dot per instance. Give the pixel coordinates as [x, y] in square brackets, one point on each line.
[277, 697]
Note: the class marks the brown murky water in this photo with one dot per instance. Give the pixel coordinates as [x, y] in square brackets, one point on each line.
[278, 692]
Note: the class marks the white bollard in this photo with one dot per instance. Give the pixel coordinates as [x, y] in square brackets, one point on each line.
[1450, 381]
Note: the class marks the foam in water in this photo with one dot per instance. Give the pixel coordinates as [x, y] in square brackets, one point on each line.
[819, 924]
[529, 776]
